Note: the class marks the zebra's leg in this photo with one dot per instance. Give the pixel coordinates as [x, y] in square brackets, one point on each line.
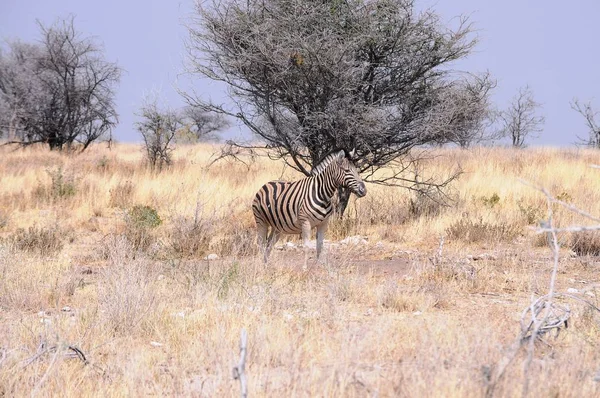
[320, 237]
[273, 238]
[305, 238]
[262, 231]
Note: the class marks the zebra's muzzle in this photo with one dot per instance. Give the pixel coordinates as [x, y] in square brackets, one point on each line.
[361, 190]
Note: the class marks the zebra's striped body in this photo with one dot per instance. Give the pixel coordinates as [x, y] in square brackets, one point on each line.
[297, 207]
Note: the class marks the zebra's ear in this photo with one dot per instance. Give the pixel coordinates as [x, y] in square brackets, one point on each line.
[341, 154]
[352, 153]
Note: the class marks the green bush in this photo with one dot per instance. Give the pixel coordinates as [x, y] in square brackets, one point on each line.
[144, 217]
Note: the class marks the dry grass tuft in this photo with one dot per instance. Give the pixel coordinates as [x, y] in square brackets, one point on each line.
[40, 240]
[474, 231]
[586, 243]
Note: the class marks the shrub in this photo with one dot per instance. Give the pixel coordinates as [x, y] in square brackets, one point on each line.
[144, 217]
[532, 213]
[126, 296]
[140, 220]
[191, 236]
[586, 243]
[492, 201]
[38, 240]
[471, 231]
[62, 186]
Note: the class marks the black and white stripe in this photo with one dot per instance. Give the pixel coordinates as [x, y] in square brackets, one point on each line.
[297, 207]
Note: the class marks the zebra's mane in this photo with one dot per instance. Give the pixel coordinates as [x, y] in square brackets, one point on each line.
[327, 160]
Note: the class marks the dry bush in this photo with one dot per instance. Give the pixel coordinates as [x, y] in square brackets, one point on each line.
[40, 240]
[586, 243]
[122, 195]
[470, 231]
[125, 294]
[423, 205]
[191, 236]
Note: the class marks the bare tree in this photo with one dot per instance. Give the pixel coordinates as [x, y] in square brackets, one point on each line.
[520, 121]
[158, 128]
[60, 91]
[307, 77]
[593, 127]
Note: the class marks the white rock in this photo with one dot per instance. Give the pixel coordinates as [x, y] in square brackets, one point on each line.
[289, 245]
[211, 257]
[591, 294]
[156, 344]
[417, 313]
[572, 290]
[66, 309]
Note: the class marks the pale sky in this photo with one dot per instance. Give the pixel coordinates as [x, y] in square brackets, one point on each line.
[550, 45]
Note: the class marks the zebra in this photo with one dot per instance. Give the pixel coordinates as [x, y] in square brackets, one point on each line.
[297, 207]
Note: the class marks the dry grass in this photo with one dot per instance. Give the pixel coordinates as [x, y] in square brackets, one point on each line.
[85, 263]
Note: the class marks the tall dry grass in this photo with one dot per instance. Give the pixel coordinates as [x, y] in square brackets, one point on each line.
[152, 316]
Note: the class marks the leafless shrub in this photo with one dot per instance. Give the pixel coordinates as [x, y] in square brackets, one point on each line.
[125, 294]
[472, 231]
[116, 249]
[44, 241]
[122, 195]
[190, 237]
[586, 243]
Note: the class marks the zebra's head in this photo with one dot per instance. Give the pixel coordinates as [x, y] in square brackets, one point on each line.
[349, 175]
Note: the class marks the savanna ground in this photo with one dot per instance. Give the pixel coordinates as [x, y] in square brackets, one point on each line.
[99, 253]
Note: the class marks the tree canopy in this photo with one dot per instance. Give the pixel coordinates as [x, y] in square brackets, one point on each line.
[308, 76]
[59, 91]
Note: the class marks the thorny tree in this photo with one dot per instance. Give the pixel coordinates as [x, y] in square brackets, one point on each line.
[586, 110]
[520, 121]
[309, 76]
[58, 92]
